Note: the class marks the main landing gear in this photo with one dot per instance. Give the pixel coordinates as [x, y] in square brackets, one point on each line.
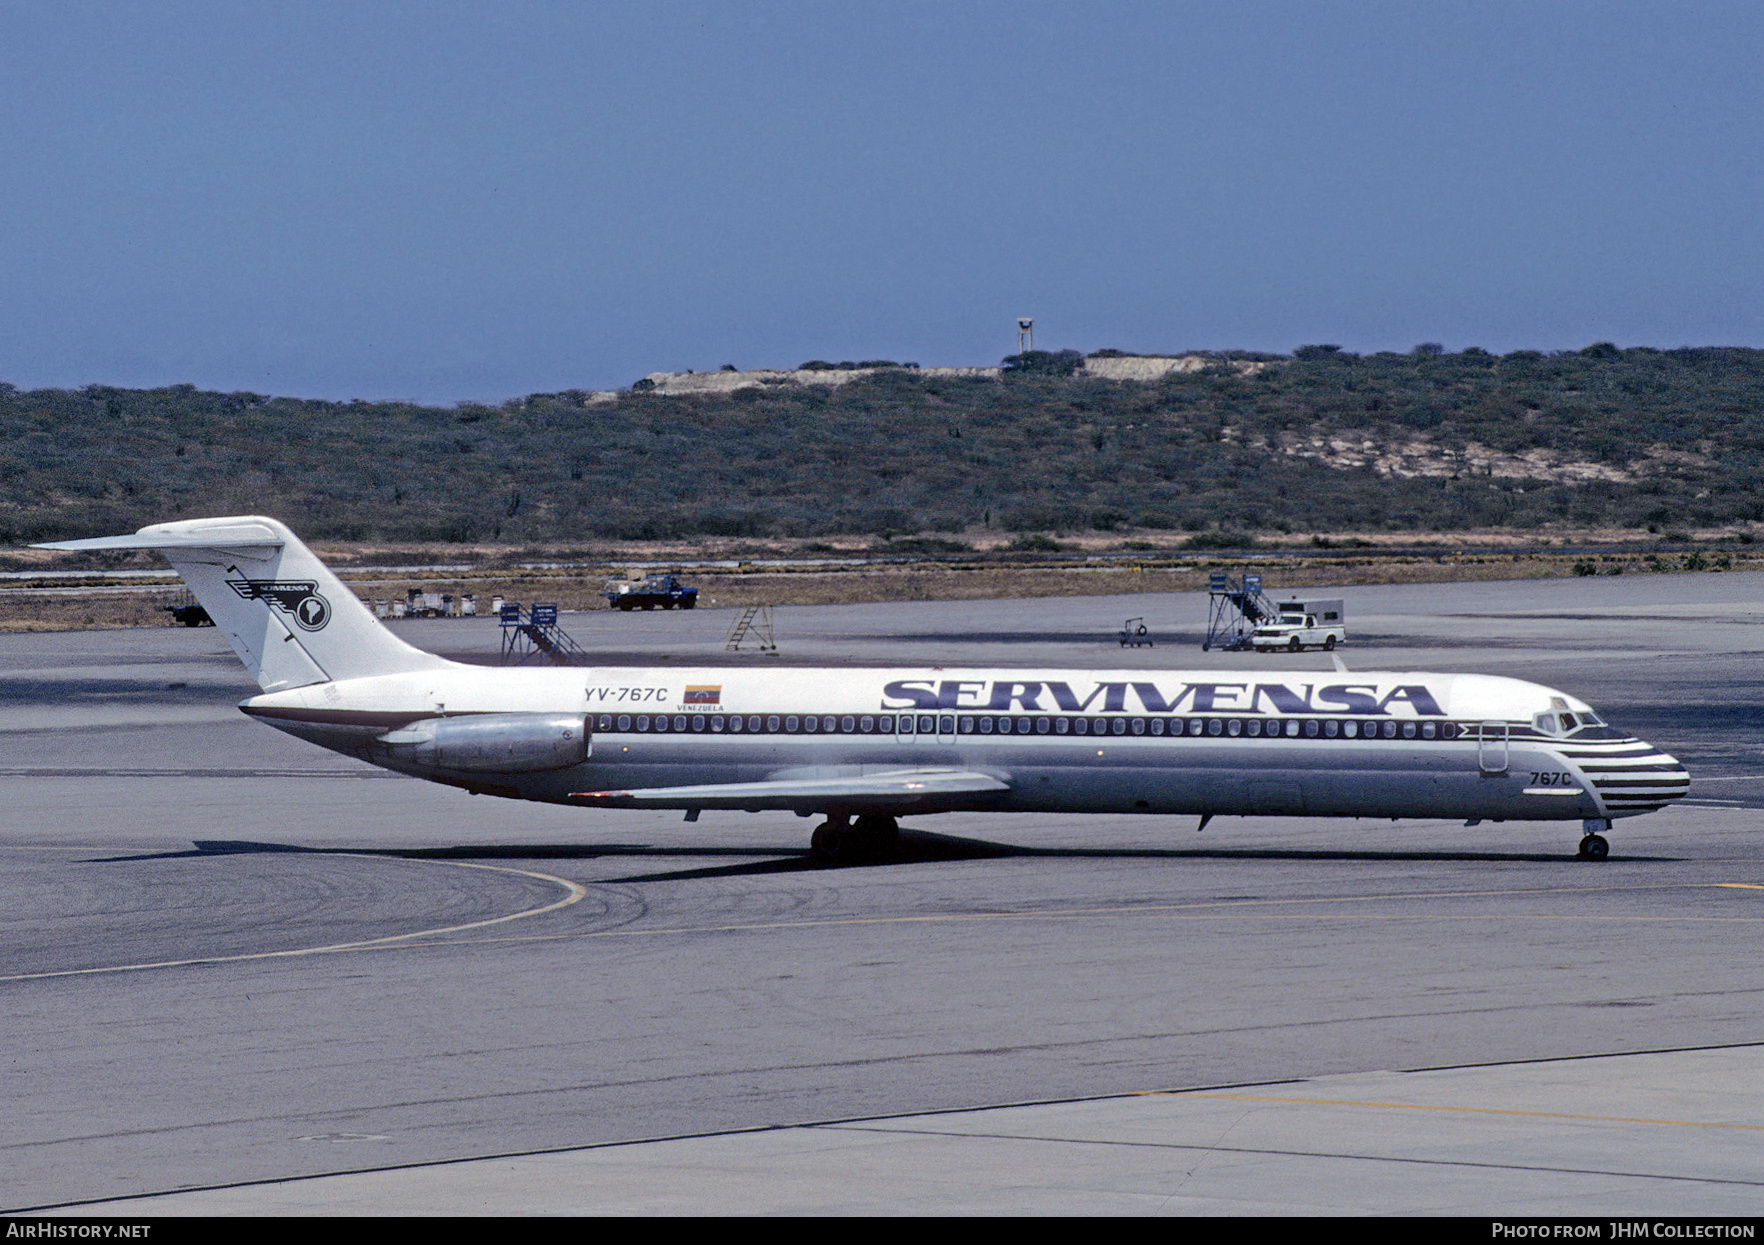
[841, 837]
[1593, 846]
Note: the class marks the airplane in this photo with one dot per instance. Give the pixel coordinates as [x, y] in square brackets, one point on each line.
[863, 747]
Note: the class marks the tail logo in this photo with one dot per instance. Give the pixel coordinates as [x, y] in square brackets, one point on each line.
[297, 598]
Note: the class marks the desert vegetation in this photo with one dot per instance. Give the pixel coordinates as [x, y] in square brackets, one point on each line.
[1430, 441]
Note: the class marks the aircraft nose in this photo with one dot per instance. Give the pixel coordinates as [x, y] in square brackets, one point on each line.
[1636, 778]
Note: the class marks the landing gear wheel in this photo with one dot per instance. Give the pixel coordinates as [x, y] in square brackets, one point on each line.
[876, 833]
[833, 839]
[1594, 847]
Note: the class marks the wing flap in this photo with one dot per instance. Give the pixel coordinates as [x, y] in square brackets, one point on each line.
[897, 788]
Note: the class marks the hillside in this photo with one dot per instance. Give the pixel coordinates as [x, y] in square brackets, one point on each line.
[1324, 441]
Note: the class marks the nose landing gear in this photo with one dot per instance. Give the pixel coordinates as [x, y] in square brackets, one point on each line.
[1593, 846]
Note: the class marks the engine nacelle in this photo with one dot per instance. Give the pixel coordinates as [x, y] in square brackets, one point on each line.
[492, 743]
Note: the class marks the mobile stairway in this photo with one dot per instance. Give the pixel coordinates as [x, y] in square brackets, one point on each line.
[533, 636]
[1236, 607]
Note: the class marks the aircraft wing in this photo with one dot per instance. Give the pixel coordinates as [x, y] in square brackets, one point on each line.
[903, 789]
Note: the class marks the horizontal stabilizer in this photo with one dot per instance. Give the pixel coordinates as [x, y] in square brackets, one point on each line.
[228, 536]
[907, 789]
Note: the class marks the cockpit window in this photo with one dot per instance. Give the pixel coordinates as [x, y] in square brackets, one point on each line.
[1584, 725]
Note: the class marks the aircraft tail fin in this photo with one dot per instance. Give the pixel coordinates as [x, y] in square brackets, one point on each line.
[290, 620]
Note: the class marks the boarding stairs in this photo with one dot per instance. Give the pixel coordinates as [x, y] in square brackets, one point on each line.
[1236, 606]
[534, 636]
[754, 621]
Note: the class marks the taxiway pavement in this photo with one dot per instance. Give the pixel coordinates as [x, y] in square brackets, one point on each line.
[230, 961]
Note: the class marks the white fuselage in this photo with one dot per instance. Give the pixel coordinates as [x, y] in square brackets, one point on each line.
[1204, 742]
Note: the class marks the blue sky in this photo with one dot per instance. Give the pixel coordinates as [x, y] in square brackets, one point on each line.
[451, 201]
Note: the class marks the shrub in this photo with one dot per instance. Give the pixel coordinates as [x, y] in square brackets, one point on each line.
[1223, 539]
[1043, 363]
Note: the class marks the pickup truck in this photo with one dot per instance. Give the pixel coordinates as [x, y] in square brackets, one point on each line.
[656, 591]
[1295, 632]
